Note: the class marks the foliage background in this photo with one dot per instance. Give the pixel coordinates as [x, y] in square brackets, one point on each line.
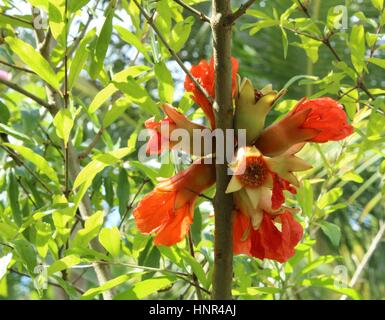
[341, 198]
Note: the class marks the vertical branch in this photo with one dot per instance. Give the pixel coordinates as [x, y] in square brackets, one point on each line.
[223, 203]
[66, 97]
[55, 102]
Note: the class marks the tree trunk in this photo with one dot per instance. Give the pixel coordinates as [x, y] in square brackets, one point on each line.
[223, 204]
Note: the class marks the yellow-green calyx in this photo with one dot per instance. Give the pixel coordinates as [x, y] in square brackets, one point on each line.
[252, 107]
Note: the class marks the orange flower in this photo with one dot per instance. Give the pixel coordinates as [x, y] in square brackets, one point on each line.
[168, 210]
[258, 177]
[267, 241]
[319, 120]
[204, 73]
[161, 137]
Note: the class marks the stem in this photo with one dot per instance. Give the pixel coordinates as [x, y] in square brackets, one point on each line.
[93, 143]
[66, 99]
[241, 11]
[200, 14]
[172, 52]
[223, 203]
[194, 277]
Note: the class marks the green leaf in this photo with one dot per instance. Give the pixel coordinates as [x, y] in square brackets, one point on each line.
[165, 82]
[377, 61]
[41, 164]
[56, 20]
[102, 45]
[89, 294]
[305, 198]
[90, 230]
[123, 191]
[13, 197]
[4, 113]
[63, 264]
[27, 254]
[79, 59]
[12, 132]
[329, 283]
[195, 266]
[329, 197]
[43, 235]
[357, 47]
[34, 61]
[64, 123]
[322, 260]
[144, 288]
[75, 5]
[332, 231]
[99, 162]
[109, 90]
[110, 240]
[133, 40]
[378, 4]
[138, 95]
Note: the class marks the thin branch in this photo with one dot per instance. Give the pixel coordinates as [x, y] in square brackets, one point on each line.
[304, 8]
[66, 101]
[373, 246]
[13, 66]
[93, 143]
[17, 19]
[172, 52]
[18, 179]
[198, 13]
[79, 290]
[241, 11]
[14, 156]
[194, 276]
[130, 205]
[28, 94]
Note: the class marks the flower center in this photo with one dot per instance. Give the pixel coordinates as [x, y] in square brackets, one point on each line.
[255, 173]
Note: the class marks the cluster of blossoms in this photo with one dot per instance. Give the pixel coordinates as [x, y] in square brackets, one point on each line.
[262, 170]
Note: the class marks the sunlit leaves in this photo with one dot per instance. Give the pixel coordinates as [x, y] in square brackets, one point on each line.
[144, 288]
[102, 45]
[357, 47]
[332, 231]
[41, 164]
[63, 264]
[33, 60]
[63, 122]
[165, 82]
[90, 230]
[110, 240]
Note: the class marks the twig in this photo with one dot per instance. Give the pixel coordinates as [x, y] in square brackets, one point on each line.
[373, 246]
[198, 13]
[66, 101]
[79, 290]
[17, 19]
[194, 276]
[93, 143]
[28, 94]
[130, 205]
[304, 9]
[172, 52]
[25, 190]
[13, 155]
[16, 67]
[240, 12]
